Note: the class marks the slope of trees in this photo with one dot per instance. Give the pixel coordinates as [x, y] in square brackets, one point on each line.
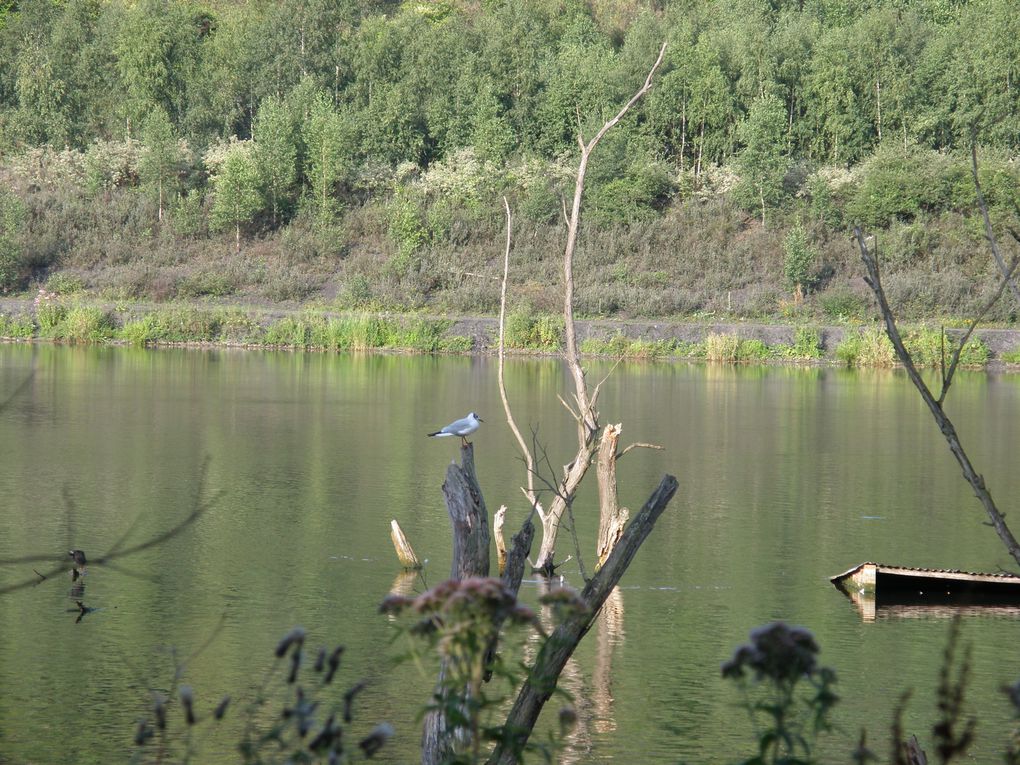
[391, 130]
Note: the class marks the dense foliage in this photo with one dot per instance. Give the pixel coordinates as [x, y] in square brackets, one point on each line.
[389, 131]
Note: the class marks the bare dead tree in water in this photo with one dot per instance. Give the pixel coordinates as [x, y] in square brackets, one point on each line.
[935, 402]
[466, 506]
[584, 407]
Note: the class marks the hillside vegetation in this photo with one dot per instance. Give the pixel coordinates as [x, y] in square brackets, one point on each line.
[355, 154]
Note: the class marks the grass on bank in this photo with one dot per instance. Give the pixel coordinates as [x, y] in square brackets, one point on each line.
[869, 347]
[79, 323]
[73, 322]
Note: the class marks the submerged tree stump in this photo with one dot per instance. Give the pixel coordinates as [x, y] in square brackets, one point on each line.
[612, 517]
[405, 553]
[466, 507]
[497, 532]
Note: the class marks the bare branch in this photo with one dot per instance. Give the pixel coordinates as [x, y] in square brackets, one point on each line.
[639, 445]
[598, 386]
[525, 452]
[569, 408]
[558, 648]
[590, 421]
[22, 386]
[200, 506]
[947, 377]
[989, 233]
[976, 481]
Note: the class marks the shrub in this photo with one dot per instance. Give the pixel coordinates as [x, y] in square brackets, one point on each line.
[49, 312]
[866, 347]
[843, 304]
[799, 262]
[12, 218]
[807, 343]
[62, 283]
[733, 348]
[425, 335]
[86, 324]
[722, 347]
[206, 283]
[288, 332]
[237, 327]
[931, 347]
[537, 333]
[1011, 357]
[177, 325]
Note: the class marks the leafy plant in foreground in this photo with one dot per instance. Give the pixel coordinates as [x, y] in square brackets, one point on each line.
[786, 693]
[311, 726]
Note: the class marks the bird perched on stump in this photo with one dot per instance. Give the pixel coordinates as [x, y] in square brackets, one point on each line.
[463, 427]
[78, 556]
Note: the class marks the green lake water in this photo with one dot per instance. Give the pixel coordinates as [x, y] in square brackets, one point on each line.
[787, 477]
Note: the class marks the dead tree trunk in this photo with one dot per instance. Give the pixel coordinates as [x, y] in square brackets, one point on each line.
[542, 678]
[586, 402]
[466, 506]
[612, 517]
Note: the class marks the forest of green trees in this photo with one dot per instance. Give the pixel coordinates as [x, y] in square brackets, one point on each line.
[359, 150]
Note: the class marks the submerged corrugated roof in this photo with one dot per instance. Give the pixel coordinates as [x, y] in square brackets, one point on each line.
[933, 572]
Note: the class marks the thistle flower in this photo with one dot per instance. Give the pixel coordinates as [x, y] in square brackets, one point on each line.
[159, 709]
[334, 664]
[188, 702]
[221, 708]
[295, 637]
[375, 740]
[295, 665]
[144, 733]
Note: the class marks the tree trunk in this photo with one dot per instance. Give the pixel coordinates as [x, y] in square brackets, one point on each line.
[612, 517]
[466, 507]
[542, 678]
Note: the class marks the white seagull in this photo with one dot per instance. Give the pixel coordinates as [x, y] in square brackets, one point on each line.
[463, 427]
